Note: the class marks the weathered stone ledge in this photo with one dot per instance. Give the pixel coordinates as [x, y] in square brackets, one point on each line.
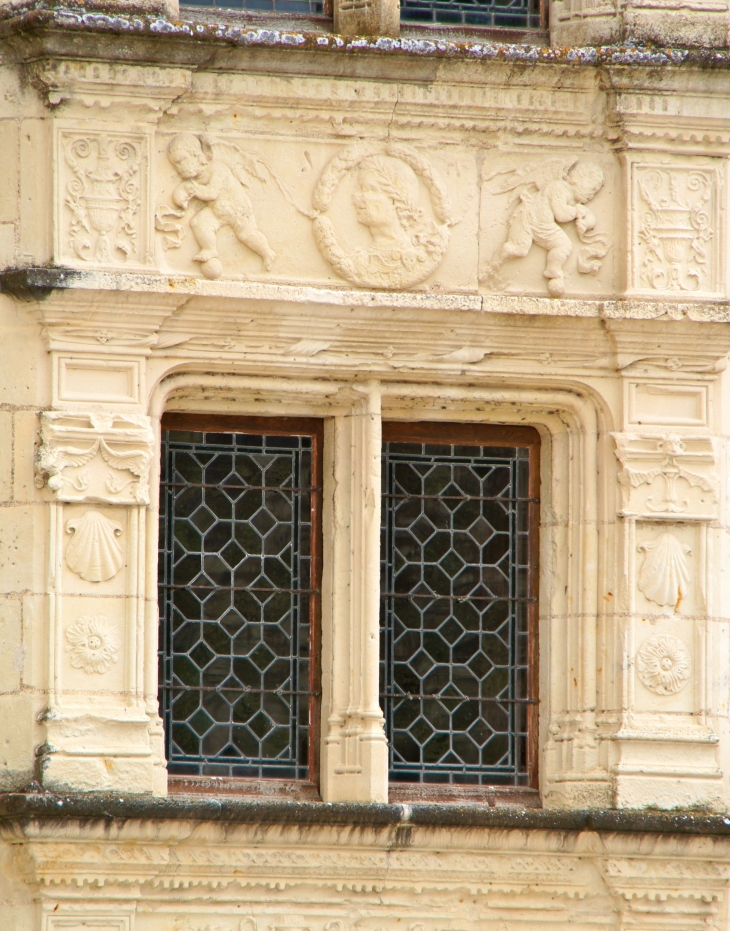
[110, 19]
[37, 806]
[38, 284]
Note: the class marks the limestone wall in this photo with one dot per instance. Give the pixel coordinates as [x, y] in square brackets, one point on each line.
[202, 217]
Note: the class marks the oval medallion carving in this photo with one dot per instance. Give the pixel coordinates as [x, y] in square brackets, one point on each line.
[406, 243]
[94, 553]
[663, 664]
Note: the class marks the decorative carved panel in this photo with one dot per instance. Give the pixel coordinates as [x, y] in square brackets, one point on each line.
[676, 229]
[95, 457]
[667, 476]
[102, 198]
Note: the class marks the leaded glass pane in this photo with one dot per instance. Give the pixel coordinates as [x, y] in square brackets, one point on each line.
[505, 14]
[454, 613]
[235, 590]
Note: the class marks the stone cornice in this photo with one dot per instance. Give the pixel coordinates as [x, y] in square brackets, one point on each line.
[41, 20]
[20, 808]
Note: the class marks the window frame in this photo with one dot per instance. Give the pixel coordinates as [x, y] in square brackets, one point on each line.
[489, 434]
[273, 426]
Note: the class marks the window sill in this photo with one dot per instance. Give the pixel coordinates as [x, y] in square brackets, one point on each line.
[274, 789]
[491, 796]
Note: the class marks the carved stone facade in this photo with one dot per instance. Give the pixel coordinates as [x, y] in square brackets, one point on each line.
[197, 217]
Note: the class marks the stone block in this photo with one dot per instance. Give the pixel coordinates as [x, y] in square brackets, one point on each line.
[20, 543]
[35, 641]
[12, 652]
[7, 244]
[6, 455]
[9, 152]
[23, 354]
[18, 738]
[25, 437]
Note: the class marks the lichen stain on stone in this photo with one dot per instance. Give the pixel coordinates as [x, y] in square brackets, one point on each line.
[107, 18]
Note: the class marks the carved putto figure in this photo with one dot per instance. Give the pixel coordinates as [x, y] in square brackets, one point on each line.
[663, 664]
[549, 194]
[406, 245]
[214, 176]
[93, 647]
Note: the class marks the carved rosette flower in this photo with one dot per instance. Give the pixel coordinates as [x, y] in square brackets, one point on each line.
[93, 647]
[663, 664]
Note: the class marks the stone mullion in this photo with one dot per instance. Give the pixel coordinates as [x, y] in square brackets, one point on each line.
[355, 765]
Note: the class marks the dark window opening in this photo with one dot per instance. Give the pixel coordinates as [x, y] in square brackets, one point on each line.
[494, 14]
[239, 597]
[458, 608]
[291, 7]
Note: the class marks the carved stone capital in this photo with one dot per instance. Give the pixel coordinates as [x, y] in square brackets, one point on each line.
[95, 457]
[667, 477]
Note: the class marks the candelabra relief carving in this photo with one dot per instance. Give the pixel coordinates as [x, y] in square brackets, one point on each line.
[408, 240]
[211, 195]
[103, 196]
[674, 227]
[657, 482]
[95, 457]
[92, 645]
[548, 194]
[663, 664]
[94, 553]
[664, 577]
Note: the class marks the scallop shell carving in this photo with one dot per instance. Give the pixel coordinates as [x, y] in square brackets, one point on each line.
[94, 553]
[664, 577]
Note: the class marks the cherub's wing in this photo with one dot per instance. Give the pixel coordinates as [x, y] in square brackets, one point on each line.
[243, 165]
[135, 461]
[537, 173]
[68, 456]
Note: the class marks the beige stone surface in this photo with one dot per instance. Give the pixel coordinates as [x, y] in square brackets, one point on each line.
[164, 875]
[243, 222]
[393, 239]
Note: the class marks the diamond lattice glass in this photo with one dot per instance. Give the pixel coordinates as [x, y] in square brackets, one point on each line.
[235, 590]
[455, 613]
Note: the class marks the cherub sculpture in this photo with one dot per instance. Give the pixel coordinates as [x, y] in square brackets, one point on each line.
[214, 176]
[549, 194]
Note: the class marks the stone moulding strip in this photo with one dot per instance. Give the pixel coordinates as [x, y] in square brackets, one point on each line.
[19, 807]
[37, 284]
[107, 19]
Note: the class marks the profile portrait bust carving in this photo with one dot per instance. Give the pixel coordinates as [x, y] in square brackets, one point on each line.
[406, 242]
